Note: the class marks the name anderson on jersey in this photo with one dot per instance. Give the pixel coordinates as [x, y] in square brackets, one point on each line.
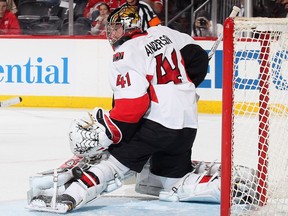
[157, 44]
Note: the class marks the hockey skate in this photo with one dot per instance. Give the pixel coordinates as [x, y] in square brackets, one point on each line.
[146, 183]
[62, 204]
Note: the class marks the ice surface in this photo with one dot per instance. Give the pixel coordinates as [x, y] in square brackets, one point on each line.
[33, 140]
[121, 206]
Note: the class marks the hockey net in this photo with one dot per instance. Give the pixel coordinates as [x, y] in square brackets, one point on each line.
[255, 117]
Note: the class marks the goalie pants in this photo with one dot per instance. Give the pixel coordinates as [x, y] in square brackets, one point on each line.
[169, 150]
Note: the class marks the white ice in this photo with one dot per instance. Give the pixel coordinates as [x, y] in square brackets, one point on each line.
[33, 140]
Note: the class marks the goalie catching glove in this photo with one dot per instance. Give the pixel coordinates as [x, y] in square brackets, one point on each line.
[91, 136]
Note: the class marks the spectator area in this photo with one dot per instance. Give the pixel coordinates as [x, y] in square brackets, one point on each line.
[51, 17]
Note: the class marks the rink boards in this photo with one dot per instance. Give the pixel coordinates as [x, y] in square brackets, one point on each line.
[73, 73]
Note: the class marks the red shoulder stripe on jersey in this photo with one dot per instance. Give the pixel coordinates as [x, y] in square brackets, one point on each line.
[130, 110]
[151, 89]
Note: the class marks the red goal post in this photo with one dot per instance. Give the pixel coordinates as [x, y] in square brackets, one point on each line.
[255, 117]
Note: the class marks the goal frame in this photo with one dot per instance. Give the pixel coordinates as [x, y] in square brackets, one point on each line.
[227, 113]
[227, 102]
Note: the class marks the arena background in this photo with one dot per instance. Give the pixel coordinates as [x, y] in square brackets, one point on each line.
[72, 73]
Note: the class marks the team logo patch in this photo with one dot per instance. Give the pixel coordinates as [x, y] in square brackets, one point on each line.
[118, 56]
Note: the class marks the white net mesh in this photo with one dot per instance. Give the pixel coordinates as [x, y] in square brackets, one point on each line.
[260, 117]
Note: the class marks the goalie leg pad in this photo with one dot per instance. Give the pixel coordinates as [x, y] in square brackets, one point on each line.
[76, 195]
[193, 188]
[92, 183]
[46, 181]
[43, 184]
[148, 183]
[201, 185]
[210, 168]
[103, 177]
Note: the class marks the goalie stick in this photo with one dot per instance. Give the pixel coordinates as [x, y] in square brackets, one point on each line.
[233, 13]
[10, 102]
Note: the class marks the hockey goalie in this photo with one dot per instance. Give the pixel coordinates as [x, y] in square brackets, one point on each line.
[93, 171]
[150, 129]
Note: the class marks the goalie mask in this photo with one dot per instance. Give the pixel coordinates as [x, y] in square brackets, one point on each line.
[122, 24]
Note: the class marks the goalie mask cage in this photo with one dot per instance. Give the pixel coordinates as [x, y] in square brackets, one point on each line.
[255, 117]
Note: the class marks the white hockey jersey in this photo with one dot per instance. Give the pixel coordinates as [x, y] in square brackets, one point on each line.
[149, 79]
